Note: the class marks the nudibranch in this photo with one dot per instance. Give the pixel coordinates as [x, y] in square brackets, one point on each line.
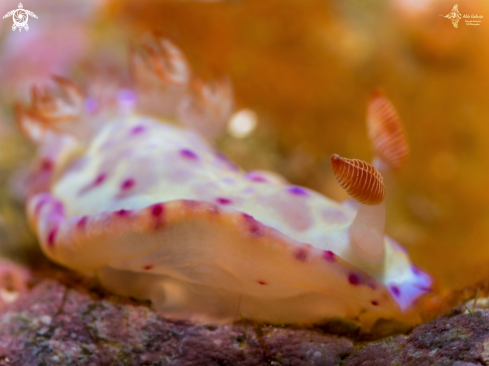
[157, 213]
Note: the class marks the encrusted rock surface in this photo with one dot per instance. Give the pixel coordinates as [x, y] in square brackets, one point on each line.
[60, 323]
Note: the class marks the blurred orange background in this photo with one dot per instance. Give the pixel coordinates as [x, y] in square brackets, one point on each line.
[307, 67]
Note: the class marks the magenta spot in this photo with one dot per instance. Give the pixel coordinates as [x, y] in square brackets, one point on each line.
[223, 201]
[58, 209]
[300, 254]
[122, 213]
[138, 129]
[99, 180]
[39, 205]
[157, 213]
[52, 236]
[253, 225]
[256, 178]
[261, 282]
[46, 164]
[298, 191]
[374, 303]
[148, 267]
[157, 210]
[329, 256]
[248, 217]
[354, 279]
[395, 290]
[127, 184]
[82, 222]
[189, 154]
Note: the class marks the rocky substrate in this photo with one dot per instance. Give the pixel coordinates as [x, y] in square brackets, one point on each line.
[59, 322]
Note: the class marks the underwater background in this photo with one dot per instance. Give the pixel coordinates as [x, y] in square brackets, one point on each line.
[306, 68]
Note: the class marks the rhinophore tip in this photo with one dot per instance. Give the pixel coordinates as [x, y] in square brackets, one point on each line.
[360, 179]
[386, 132]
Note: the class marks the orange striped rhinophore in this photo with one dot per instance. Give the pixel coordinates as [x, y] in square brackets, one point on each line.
[360, 180]
[385, 131]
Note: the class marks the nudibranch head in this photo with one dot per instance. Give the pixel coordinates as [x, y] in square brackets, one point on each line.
[386, 132]
[159, 214]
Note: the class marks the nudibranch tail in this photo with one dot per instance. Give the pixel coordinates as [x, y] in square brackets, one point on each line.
[364, 183]
[360, 179]
[386, 132]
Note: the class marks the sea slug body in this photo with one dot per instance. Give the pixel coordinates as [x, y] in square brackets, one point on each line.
[157, 213]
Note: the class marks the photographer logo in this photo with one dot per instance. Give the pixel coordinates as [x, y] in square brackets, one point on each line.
[20, 17]
[454, 16]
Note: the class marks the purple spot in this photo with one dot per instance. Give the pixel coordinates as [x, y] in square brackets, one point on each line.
[256, 178]
[137, 129]
[329, 256]
[301, 255]
[261, 282]
[122, 213]
[395, 291]
[52, 236]
[189, 154]
[127, 184]
[248, 217]
[58, 209]
[82, 222]
[157, 210]
[126, 97]
[148, 267]
[221, 156]
[415, 270]
[423, 288]
[157, 213]
[46, 164]
[253, 225]
[91, 105]
[223, 201]
[99, 180]
[39, 205]
[354, 279]
[298, 191]
[374, 303]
